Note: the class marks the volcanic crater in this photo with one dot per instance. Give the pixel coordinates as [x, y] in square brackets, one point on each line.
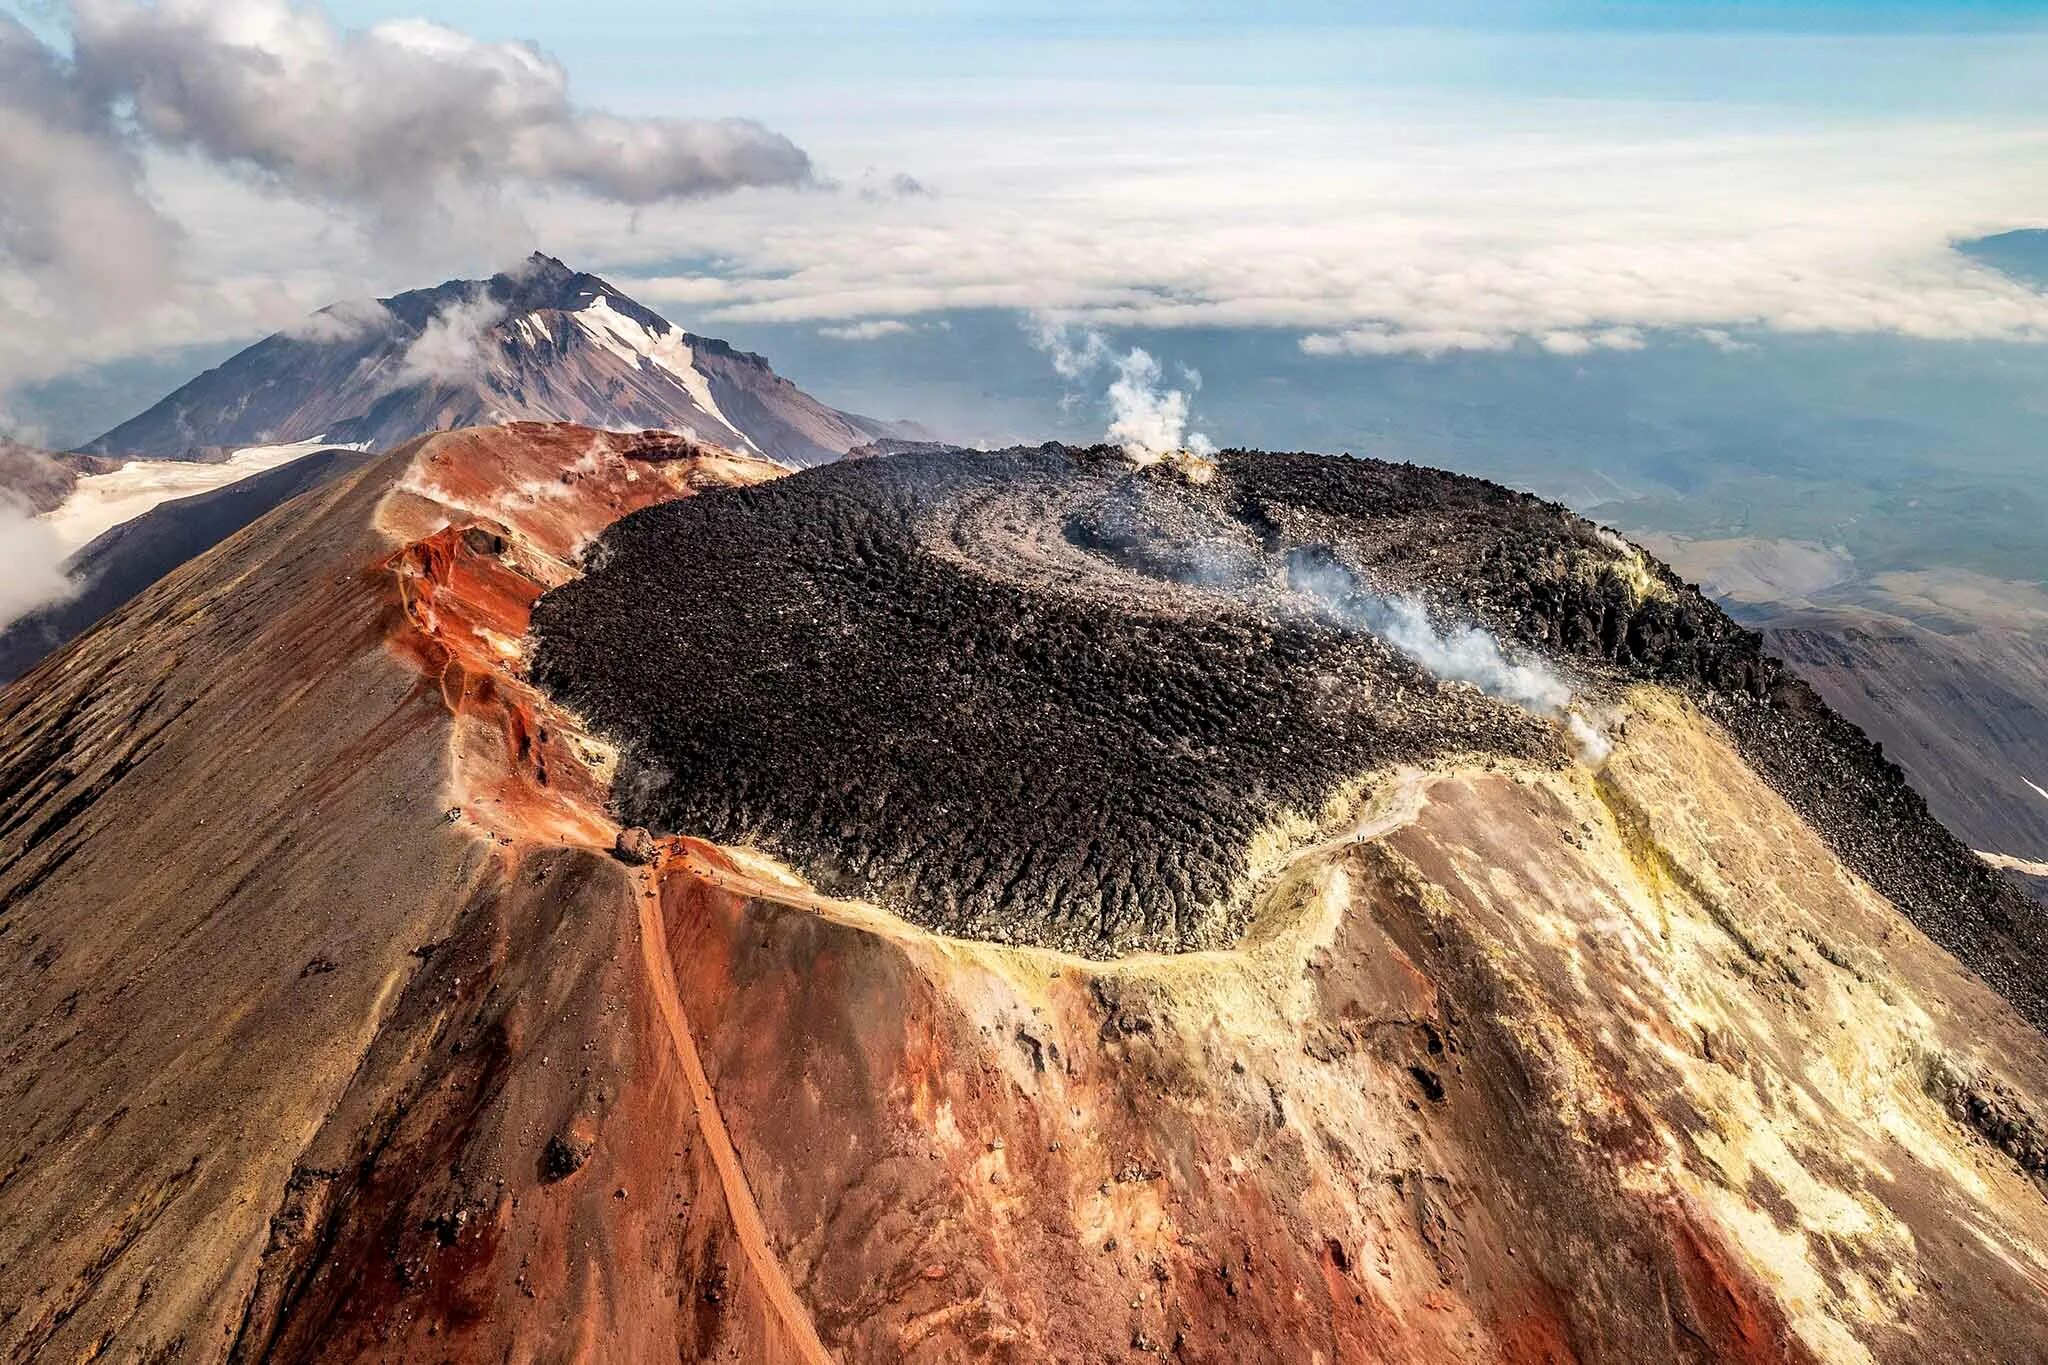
[1036, 695]
[1043, 696]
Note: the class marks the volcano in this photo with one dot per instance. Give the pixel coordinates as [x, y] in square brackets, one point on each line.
[541, 341]
[547, 891]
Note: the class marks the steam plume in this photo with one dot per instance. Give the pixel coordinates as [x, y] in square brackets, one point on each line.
[1464, 654]
[1147, 419]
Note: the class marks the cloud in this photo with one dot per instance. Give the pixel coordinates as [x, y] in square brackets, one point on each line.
[1725, 341]
[34, 557]
[1378, 338]
[396, 115]
[124, 147]
[1454, 227]
[1585, 343]
[873, 330]
[454, 345]
[875, 187]
[73, 208]
[347, 320]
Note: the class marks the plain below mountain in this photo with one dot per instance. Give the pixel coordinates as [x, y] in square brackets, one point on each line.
[1964, 712]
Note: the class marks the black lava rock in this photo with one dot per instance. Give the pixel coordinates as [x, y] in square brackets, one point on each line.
[1038, 695]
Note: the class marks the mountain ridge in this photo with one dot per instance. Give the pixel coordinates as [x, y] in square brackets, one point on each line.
[349, 1023]
[540, 342]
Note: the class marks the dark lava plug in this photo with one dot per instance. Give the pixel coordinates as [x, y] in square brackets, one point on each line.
[1041, 696]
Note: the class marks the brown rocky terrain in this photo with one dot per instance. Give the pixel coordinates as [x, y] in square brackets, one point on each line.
[344, 1021]
[1965, 711]
[40, 480]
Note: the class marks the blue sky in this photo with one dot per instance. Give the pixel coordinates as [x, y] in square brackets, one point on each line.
[1696, 258]
[1931, 54]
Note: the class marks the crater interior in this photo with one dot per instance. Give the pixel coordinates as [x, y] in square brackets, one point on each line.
[1040, 695]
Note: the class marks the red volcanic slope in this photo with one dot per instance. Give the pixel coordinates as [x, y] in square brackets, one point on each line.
[334, 1031]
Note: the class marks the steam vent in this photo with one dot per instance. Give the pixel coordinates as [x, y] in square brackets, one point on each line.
[1042, 696]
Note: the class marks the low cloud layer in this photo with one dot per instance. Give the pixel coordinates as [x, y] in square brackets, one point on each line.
[33, 555]
[347, 320]
[452, 347]
[1381, 226]
[872, 330]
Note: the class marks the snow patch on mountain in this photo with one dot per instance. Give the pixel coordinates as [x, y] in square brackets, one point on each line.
[103, 501]
[634, 342]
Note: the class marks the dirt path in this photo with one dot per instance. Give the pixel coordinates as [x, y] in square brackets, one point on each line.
[739, 1197]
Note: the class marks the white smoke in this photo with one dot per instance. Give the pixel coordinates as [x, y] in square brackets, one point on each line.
[1147, 419]
[1073, 358]
[451, 348]
[1464, 654]
[33, 557]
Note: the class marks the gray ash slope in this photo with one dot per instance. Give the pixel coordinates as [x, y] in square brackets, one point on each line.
[1037, 695]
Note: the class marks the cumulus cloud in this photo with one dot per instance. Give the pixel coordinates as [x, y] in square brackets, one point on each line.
[875, 187]
[396, 114]
[455, 344]
[1725, 341]
[34, 557]
[73, 208]
[1585, 343]
[873, 330]
[427, 140]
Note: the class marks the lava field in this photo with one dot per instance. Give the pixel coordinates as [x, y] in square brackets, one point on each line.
[1042, 696]
[1031, 696]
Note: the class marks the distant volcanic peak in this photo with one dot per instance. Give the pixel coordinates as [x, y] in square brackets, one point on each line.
[1032, 696]
[540, 342]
